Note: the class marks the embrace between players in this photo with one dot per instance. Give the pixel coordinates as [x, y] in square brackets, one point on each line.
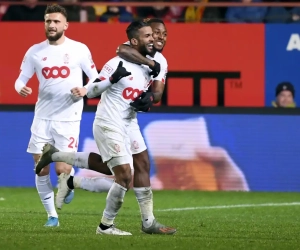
[123, 85]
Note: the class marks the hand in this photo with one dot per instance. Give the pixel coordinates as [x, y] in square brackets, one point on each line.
[25, 91]
[143, 103]
[155, 69]
[78, 92]
[119, 73]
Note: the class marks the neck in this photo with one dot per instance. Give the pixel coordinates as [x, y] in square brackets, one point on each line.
[57, 42]
[153, 53]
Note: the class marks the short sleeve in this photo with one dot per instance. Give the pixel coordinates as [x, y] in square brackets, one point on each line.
[163, 70]
[109, 68]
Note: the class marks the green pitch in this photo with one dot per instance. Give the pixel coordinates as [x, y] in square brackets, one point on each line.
[213, 222]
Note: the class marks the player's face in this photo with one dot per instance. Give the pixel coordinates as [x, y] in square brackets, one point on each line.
[159, 36]
[145, 40]
[55, 26]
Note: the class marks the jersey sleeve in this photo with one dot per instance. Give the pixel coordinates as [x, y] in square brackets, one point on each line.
[87, 64]
[102, 83]
[162, 76]
[27, 67]
[109, 68]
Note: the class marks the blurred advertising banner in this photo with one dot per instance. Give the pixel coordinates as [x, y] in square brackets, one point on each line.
[187, 151]
[204, 60]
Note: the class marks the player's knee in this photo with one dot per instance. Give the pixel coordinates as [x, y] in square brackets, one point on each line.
[123, 175]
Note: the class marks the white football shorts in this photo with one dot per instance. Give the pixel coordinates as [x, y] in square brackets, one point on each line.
[137, 142]
[63, 135]
[113, 145]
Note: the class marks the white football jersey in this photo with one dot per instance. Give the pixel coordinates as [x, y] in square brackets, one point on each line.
[114, 106]
[59, 69]
[163, 65]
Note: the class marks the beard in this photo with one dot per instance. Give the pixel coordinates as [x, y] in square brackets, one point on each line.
[55, 37]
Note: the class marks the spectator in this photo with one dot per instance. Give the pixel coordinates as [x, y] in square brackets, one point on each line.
[246, 14]
[168, 14]
[204, 14]
[78, 14]
[29, 11]
[283, 14]
[116, 14]
[285, 94]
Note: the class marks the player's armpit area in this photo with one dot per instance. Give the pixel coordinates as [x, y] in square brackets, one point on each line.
[157, 89]
[132, 55]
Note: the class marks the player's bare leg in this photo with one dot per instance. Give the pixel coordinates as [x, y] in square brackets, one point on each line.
[144, 196]
[114, 200]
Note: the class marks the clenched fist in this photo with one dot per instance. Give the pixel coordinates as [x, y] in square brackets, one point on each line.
[25, 91]
[78, 92]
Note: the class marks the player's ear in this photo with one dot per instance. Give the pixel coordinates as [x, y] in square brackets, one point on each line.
[66, 26]
[134, 41]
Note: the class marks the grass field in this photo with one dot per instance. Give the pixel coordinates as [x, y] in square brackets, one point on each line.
[211, 223]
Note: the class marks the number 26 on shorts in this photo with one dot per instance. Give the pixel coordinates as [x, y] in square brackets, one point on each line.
[73, 143]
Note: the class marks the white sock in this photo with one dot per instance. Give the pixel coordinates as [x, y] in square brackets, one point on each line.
[72, 172]
[45, 190]
[114, 201]
[144, 197]
[78, 159]
[93, 184]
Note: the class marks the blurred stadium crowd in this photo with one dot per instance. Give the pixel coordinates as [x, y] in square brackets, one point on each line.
[28, 10]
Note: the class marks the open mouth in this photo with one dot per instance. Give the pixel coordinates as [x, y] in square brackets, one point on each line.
[150, 45]
[160, 44]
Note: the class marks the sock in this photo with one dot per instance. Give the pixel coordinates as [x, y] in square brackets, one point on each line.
[78, 159]
[72, 172]
[114, 201]
[70, 182]
[45, 190]
[144, 197]
[93, 184]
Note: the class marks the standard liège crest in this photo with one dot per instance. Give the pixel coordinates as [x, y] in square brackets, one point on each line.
[66, 58]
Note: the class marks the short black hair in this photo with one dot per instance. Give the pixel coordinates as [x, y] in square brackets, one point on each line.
[55, 8]
[154, 20]
[133, 28]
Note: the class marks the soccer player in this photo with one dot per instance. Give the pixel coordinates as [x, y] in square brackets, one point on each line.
[158, 64]
[58, 63]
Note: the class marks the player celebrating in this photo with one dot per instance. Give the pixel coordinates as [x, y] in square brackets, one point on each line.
[58, 63]
[139, 150]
